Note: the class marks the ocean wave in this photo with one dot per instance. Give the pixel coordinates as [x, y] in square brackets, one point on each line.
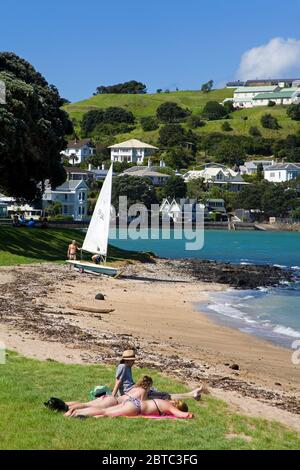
[286, 331]
[282, 266]
[296, 268]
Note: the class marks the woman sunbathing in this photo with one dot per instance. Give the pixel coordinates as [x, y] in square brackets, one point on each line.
[135, 407]
[138, 392]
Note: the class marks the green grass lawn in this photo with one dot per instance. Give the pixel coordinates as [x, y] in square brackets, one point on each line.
[25, 245]
[26, 424]
[146, 105]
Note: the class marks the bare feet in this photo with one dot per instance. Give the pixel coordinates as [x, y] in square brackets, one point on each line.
[197, 393]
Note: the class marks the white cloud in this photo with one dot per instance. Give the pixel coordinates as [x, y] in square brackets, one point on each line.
[278, 58]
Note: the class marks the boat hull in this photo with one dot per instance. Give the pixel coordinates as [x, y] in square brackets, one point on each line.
[85, 266]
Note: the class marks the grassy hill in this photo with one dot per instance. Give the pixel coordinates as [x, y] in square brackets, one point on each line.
[146, 105]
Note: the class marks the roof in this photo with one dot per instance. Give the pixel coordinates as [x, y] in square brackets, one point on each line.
[284, 166]
[257, 89]
[273, 80]
[133, 143]
[70, 185]
[277, 95]
[76, 144]
[147, 172]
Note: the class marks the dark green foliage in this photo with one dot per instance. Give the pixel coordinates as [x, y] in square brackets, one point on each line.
[254, 131]
[271, 104]
[230, 152]
[132, 88]
[175, 187]
[293, 111]
[194, 121]
[149, 123]
[226, 127]
[109, 116]
[159, 90]
[172, 135]
[288, 149]
[269, 122]
[32, 130]
[137, 190]
[170, 112]
[179, 158]
[260, 172]
[229, 108]
[274, 200]
[206, 87]
[214, 111]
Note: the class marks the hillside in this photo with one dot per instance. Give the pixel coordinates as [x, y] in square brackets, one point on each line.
[146, 105]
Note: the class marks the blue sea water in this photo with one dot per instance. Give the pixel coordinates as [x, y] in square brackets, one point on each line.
[270, 313]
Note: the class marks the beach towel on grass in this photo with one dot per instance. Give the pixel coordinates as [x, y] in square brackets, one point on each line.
[155, 417]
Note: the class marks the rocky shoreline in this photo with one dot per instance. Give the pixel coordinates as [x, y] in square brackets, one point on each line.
[234, 275]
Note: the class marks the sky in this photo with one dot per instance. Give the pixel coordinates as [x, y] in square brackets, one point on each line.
[79, 45]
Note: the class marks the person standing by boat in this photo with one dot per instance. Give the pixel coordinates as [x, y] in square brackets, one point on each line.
[72, 250]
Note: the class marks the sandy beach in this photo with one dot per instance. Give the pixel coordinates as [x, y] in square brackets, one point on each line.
[153, 310]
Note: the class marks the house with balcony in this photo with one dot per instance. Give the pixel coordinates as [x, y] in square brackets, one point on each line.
[72, 195]
[131, 151]
[79, 150]
[282, 172]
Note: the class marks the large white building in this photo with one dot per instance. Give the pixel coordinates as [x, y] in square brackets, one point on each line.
[282, 172]
[72, 195]
[243, 96]
[131, 151]
[157, 178]
[79, 150]
[285, 97]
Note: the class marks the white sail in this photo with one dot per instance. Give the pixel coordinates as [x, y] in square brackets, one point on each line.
[96, 239]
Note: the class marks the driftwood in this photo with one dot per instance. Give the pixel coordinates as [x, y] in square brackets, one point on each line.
[91, 309]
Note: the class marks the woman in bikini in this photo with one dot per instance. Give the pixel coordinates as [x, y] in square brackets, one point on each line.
[137, 393]
[135, 407]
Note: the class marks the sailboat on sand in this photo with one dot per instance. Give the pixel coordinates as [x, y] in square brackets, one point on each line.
[96, 239]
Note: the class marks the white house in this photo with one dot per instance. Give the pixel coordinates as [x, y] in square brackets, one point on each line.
[78, 150]
[243, 96]
[286, 97]
[282, 172]
[250, 167]
[157, 178]
[179, 210]
[72, 195]
[217, 175]
[131, 151]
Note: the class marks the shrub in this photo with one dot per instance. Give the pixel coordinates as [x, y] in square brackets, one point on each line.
[271, 104]
[214, 111]
[254, 131]
[269, 122]
[149, 123]
[226, 127]
[170, 112]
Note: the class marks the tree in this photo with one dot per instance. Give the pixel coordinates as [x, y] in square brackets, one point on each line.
[269, 122]
[228, 106]
[104, 118]
[230, 152]
[170, 112]
[172, 135]
[32, 130]
[137, 190]
[277, 201]
[196, 189]
[179, 158]
[214, 110]
[254, 131]
[149, 123]
[175, 187]
[293, 111]
[131, 88]
[159, 90]
[194, 121]
[206, 87]
[260, 172]
[226, 127]
[271, 104]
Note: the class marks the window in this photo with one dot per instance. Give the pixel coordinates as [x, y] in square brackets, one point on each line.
[272, 175]
[66, 197]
